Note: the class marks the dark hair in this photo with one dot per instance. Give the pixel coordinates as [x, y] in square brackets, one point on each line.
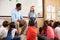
[59, 24]
[31, 23]
[55, 24]
[11, 26]
[51, 20]
[45, 24]
[5, 23]
[40, 30]
[18, 4]
[50, 23]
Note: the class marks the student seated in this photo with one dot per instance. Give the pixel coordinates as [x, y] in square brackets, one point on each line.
[32, 31]
[12, 32]
[40, 30]
[57, 30]
[47, 30]
[4, 30]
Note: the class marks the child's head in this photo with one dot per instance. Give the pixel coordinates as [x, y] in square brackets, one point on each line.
[5, 23]
[55, 24]
[31, 23]
[46, 23]
[32, 9]
[12, 25]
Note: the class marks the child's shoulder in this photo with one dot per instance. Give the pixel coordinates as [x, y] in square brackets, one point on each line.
[29, 27]
[32, 27]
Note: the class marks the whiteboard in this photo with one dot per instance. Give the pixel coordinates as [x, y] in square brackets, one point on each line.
[7, 6]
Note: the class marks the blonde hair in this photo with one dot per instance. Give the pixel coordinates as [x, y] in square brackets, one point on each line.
[32, 9]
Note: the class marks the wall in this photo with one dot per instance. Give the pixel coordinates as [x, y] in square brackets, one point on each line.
[7, 6]
[55, 3]
[39, 20]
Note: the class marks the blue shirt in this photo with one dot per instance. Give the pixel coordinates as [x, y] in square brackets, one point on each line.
[16, 15]
[31, 14]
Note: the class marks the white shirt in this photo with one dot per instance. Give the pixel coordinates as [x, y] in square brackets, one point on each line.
[13, 32]
[57, 31]
[3, 32]
[16, 15]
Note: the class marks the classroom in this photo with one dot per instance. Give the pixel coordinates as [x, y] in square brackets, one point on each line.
[29, 19]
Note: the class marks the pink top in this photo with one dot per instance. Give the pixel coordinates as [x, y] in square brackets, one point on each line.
[49, 32]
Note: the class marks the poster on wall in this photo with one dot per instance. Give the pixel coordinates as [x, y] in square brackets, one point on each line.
[48, 16]
[48, 8]
[53, 12]
[53, 16]
[50, 12]
[59, 13]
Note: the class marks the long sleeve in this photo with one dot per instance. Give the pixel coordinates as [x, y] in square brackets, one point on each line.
[14, 17]
[50, 32]
[21, 16]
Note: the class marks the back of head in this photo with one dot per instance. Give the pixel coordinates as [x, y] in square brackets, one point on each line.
[59, 24]
[45, 24]
[51, 20]
[55, 24]
[31, 23]
[46, 21]
[5, 23]
[12, 24]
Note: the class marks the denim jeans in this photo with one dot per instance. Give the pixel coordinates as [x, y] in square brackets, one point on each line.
[17, 38]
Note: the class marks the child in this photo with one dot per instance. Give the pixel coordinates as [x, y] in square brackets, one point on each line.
[32, 15]
[32, 31]
[4, 30]
[13, 32]
[47, 30]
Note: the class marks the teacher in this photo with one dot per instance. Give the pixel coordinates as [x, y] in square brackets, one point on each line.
[18, 17]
